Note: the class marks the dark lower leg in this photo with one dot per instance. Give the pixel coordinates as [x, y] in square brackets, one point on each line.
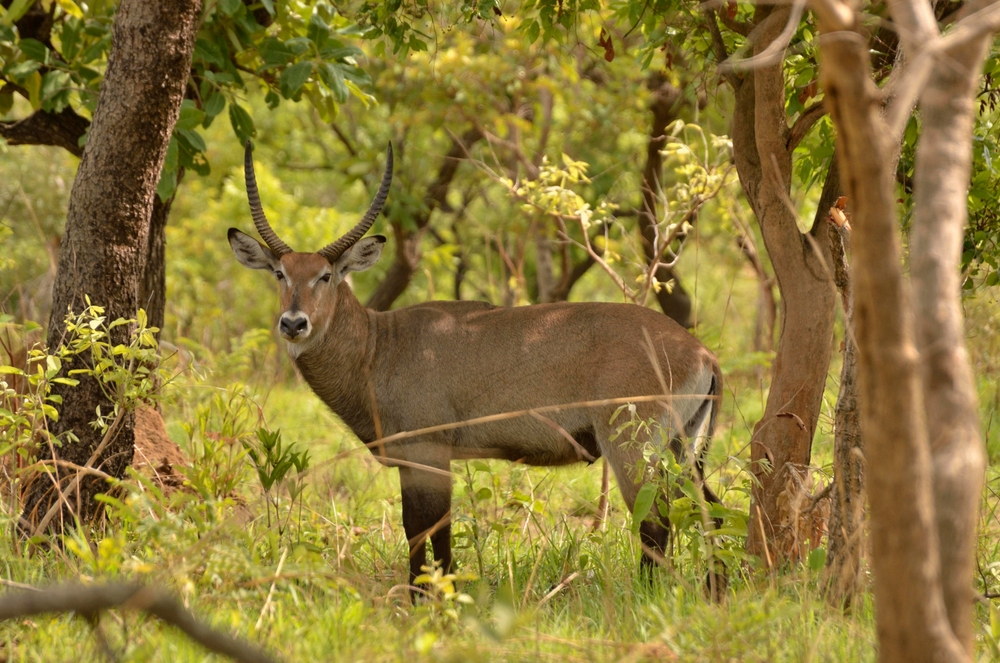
[654, 537]
[426, 515]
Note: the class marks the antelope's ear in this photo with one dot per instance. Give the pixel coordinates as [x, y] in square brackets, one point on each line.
[250, 252]
[361, 256]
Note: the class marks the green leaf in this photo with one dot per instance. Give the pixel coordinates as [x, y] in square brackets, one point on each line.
[66, 381]
[16, 10]
[242, 122]
[56, 86]
[318, 31]
[643, 503]
[209, 52]
[294, 77]
[24, 69]
[193, 139]
[531, 32]
[35, 50]
[230, 7]
[275, 52]
[213, 106]
[817, 559]
[33, 83]
[333, 78]
[191, 116]
[340, 53]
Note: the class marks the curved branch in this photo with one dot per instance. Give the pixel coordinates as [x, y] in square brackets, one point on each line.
[719, 44]
[804, 123]
[88, 600]
[63, 130]
[739, 27]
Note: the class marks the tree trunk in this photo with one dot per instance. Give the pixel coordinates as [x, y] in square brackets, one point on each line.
[845, 547]
[941, 183]
[153, 285]
[923, 500]
[107, 224]
[762, 147]
[400, 273]
[674, 301]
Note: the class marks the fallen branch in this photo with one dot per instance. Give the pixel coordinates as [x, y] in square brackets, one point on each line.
[89, 600]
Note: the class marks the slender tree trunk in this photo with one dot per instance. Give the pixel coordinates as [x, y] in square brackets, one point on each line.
[102, 253]
[674, 301]
[153, 286]
[941, 182]
[845, 548]
[918, 408]
[408, 253]
[762, 147]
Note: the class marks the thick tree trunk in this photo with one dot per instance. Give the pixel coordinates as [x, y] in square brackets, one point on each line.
[107, 224]
[762, 146]
[674, 301]
[918, 414]
[408, 253]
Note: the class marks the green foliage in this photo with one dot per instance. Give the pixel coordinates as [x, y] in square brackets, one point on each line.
[293, 50]
[273, 461]
[124, 371]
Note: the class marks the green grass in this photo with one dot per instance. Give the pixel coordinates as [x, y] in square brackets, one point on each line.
[341, 596]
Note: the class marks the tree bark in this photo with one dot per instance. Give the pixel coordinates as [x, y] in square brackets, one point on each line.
[845, 543]
[941, 182]
[674, 301]
[107, 224]
[408, 253]
[153, 285]
[762, 151]
[923, 500]
[63, 129]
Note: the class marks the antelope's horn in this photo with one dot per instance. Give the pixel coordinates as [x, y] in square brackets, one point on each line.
[263, 227]
[334, 250]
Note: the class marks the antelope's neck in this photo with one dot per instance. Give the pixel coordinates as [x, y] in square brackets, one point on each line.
[338, 366]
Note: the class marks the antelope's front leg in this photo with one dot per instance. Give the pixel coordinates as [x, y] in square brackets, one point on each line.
[427, 514]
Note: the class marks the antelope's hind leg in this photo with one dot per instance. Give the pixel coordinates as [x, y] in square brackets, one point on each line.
[426, 494]
[631, 472]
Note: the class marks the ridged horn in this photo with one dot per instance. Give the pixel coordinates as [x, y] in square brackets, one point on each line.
[257, 211]
[334, 250]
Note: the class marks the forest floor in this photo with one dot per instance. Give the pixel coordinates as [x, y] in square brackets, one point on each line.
[323, 577]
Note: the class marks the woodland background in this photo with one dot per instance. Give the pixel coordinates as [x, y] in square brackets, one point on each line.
[537, 145]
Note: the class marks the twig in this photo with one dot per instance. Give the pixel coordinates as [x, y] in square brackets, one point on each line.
[130, 596]
[270, 593]
[561, 586]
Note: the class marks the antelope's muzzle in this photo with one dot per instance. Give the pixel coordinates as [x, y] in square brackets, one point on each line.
[293, 326]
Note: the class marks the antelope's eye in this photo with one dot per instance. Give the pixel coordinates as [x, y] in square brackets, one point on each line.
[325, 278]
[279, 275]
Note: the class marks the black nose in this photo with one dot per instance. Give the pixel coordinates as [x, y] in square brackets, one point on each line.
[292, 327]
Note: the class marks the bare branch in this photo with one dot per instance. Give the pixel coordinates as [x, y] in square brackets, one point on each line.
[721, 55]
[42, 128]
[800, 129]
[776, 49]
[911, 83]
[739, 27]
[88, 600]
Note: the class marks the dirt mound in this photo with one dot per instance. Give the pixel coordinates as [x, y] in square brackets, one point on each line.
[156, 455]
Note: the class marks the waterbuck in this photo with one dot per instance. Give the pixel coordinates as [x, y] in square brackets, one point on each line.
[554, 373]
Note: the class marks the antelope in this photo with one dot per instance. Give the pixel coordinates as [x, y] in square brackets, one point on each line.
[431, 365]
